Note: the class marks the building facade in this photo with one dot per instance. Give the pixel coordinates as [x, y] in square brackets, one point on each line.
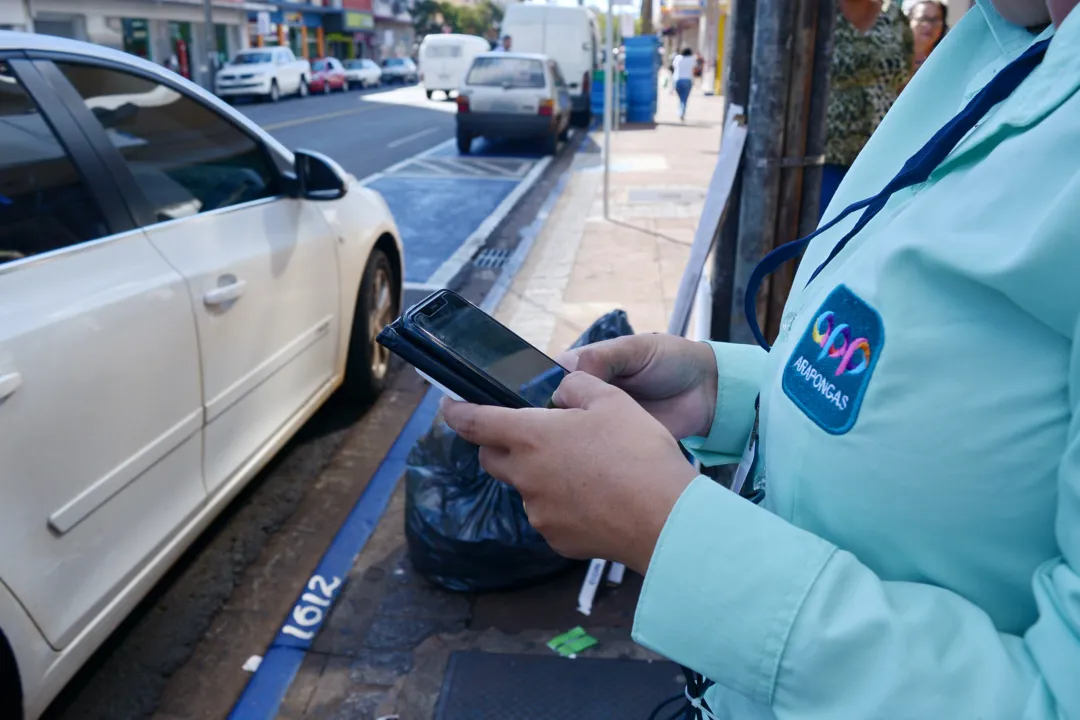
[167, 32]
[394, 33]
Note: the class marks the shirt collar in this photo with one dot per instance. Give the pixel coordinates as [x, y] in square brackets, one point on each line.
[1009, 37]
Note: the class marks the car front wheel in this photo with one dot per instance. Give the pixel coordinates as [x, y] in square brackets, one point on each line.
[275, 94]
[368, 365]
[464, 142]
[303, 90]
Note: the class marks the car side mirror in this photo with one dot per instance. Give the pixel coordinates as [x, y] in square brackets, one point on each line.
[318, 177]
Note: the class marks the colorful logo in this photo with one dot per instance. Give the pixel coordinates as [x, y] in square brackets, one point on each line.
[830, 367]
[836, 342]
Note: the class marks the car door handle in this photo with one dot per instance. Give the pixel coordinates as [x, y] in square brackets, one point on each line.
[9, 383]
[226, 293]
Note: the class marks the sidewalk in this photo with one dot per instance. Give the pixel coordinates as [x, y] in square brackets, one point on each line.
[583, 265]
[384, 650]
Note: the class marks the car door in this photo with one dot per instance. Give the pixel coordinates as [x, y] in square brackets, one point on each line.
[261, 268]
[289, 69]
[100, 404]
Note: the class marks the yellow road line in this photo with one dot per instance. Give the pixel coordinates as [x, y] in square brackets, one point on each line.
[316, 118]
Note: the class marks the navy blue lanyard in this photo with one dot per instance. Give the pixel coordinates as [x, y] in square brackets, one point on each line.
[916, 170]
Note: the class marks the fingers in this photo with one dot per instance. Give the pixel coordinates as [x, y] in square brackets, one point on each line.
[579, 389]
[618, 358]
[484, 425]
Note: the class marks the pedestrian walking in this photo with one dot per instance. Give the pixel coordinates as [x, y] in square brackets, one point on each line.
[873, 52]
[682, 70]
[908, 542]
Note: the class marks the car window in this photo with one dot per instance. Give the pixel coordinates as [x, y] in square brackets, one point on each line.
[560, 82]
[320, 65]
[251, 58]
[506, 72]
[442, 51]
[186, 157]
[370, 64]
[44, 203]
[394, 62]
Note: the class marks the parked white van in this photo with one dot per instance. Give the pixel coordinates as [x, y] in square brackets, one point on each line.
[444, 59]
[569, 35]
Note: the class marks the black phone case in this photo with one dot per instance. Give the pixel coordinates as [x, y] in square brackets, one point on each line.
[396, 338]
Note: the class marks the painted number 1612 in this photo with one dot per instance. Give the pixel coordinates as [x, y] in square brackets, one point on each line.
[309, 613]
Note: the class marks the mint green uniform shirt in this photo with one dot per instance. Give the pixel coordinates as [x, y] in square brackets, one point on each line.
[918, 552]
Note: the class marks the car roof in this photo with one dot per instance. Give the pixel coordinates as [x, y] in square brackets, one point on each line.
[519, 56]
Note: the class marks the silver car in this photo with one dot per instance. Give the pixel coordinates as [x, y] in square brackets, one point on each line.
[513, 95]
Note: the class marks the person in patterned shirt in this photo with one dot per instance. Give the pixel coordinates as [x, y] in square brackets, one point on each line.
[872, 61]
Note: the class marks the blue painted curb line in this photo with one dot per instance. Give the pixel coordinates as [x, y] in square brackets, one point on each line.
[266, 689]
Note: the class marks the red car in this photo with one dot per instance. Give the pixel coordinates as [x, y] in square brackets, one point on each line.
[328, 74]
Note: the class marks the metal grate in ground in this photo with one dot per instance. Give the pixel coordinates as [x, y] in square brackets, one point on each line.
[466, 167]
[492, 258]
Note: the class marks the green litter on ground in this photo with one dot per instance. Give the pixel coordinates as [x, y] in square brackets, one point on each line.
[572, 642]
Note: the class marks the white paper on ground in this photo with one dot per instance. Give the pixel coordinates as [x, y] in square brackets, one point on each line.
[588, 588]
[252, 664]
[615, 573]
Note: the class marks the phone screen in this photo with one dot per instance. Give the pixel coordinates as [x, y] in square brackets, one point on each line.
[485, 343]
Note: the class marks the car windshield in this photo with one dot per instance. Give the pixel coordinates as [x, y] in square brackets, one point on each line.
[254, 58]
[506, 72]
[355, 64]
[319, 65]
[442, 51]
[394, 62]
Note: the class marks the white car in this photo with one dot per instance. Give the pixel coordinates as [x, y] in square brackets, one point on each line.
[400, 70]
[363, 73]
[267, 73]
[178, 295]
[513, 95]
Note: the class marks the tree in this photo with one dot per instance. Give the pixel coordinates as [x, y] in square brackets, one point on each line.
[431, 16]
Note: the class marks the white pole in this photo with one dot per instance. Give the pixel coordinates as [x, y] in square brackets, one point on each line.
[609, 78]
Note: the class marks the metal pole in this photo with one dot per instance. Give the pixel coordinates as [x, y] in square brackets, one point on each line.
[738, 44]
[211, 55]
[771, 65]
[609, 32]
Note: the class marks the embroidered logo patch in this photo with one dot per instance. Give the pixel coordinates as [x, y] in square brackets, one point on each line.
[827, 374]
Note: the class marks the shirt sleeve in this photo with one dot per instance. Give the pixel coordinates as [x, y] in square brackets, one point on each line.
[739, 372]
[794, 623]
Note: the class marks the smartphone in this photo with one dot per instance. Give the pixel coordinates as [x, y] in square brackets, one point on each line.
[470, 355]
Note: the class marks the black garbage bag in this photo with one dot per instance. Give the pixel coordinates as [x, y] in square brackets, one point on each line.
[466, 530]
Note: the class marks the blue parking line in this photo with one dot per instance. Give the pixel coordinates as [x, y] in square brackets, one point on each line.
[436, 215]
[267, 687]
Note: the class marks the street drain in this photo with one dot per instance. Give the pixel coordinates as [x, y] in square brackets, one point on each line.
[492, 258]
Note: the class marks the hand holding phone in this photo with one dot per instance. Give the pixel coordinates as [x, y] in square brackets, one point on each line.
[470, 355]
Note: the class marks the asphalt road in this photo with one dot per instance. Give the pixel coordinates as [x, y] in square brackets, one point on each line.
[366, 131]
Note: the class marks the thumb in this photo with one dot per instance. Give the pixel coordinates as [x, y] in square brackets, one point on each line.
[578, 390]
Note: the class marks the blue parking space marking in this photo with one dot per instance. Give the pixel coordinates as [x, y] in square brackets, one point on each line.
[435, 216]
[265, 691]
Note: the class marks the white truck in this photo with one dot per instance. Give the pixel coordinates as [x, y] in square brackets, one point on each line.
[267, 73]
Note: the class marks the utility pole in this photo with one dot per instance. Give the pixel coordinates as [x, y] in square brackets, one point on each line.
[210, 37]
[786, 96]
[609, 78]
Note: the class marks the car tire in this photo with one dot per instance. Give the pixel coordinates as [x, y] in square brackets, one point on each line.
[326, 87]
[565, 134]
[429, 93]
[11, 701]
[464, 143]
[581, 119]
[551, 144]
[368, 366]
[302, 91]
[275, 94]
